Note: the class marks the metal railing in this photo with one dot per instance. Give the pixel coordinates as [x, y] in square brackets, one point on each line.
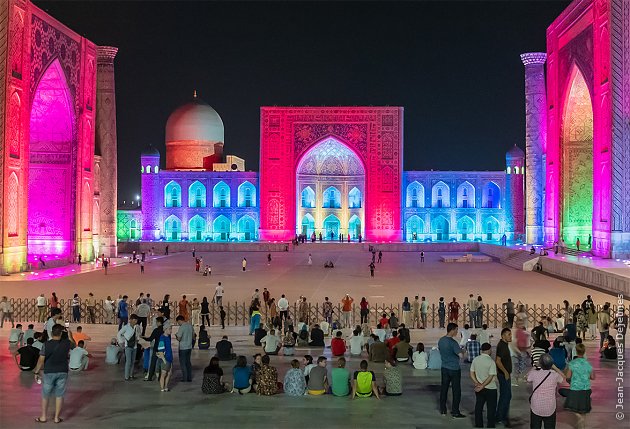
[237, 313]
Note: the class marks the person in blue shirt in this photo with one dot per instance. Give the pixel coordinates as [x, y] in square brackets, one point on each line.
[451, 354]
[123, 314]
[242, 375]
[559, 354]
[165, 359]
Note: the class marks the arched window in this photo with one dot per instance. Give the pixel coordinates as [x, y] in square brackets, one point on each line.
[221, 228]
[247, 228]
[156, 169]
[142, 169]
[133, 229]
[491, 197]
[441, 195]
[354, 198]
[415, 195]
[196, 228]
[308, 197]
[172, 195]
[466, 195]
[515, 170]
[332, 198]
[221, 195]
[173, 228]
[197, 195]
[246, 195]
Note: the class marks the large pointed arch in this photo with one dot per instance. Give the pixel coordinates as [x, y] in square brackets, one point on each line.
[307, 225]
[52, 161]
[246, 228]
[196, 194]
[466, 195]
[221, 195]
[415, 195]
[466, 228]
[197, 228]
[172, 194]
[173, 228]
[440, 195]
[221, 228]
[247, 195]
[331, 226]
[414, 228]
[440, 226]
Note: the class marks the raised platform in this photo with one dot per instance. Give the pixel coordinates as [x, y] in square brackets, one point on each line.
[465, 258]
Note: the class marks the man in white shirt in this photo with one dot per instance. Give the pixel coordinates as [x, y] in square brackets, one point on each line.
[380, 333]
[79, 358]
[465, 333]
[472, 309]
[41, 308]
[483, 372]
[143, 312]
[127, 336]
[283, 307]
[271, 343]
[218, 294]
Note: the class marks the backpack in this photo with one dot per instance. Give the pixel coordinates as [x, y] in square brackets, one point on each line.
[364, 383]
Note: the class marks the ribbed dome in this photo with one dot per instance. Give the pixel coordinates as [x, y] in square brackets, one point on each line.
[150, 151]
[195, 120]
[515, 152]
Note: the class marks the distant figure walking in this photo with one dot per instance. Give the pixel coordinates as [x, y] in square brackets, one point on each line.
[310, 259]
[268, 258]
[577, 244]
[105, 264]
[422, 256]
[244, 264]
[141, 267]
[380, 256]
[79, 259]
[590, 239]
[372, 266]
[166, 250]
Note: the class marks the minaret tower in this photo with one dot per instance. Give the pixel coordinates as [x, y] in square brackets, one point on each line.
[514, 199]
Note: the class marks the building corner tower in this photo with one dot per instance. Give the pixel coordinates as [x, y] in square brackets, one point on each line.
[514, 198]
[106, 142]
[535, 143]
[151, 203]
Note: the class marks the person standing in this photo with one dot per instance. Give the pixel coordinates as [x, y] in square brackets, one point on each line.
[205, 311]
[127, 338]
[108, 306]
[153, 340]
[503, 361]
[509, 310]
[424, 310]
[372, 267]
[90, 303]
[222, 316]
[380, 256]
[76, 308]
[123, 312]
[244, 264]
[6, 312]
[283, 307]
[143, 311]
[577, 244]
[603, 324]
[41, 308]
[185, 337]
[54, 359]
[105, 265]
[327, 309]
[472, 310]
[406, 310]
[195, 309]
[218, 294]
[453, 310]
[422, 256]
[581, 373]
[268, 258]
[184, 308]
[310, 259]
[451, 371]
[479, 313]
[483, 372]
[415, 312]
[266, 297]
[141, 267]
[346, 303]
[53, 303]
[543, 397]
[442, 312]
[365, 310]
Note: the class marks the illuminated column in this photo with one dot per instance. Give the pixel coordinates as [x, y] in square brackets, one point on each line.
[107, 141]
[514, 199]
[535, 137]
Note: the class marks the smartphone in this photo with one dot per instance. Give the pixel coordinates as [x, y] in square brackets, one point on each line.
[67, 324]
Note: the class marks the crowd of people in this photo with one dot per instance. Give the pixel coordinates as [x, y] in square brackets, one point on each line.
[146, 329]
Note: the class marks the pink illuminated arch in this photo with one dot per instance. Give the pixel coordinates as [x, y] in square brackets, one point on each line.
[50, 180]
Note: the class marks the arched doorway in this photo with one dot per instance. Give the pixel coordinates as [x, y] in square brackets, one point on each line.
[440, 228]
[577, 162]
[221, 228]
[247, 228]
[51, 182]
[414, 228]
[330, 186]
[308, 225]
[196, 228]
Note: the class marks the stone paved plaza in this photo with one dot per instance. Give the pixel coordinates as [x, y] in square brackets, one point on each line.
[100, 397]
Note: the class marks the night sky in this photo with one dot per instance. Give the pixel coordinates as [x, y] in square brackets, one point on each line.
[453, 66]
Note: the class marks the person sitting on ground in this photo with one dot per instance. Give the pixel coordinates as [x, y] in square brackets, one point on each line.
[271, 343]
[318, 378]
[28, 356]
[404, 334]
[340, 379]
[393, 321]
[29, 333]
[378, 351]
[307, 361]
[225, 351]
[419, 357]
[483, 336]
[473, 348]
[288, 342]
[79, 335]
[364, 382]
[383, 322]
[401, 352]
[213, 378]
[267, 378]
[435, 359]
[38, 337]
[381, 332]
[392, 379]
[242, 376]
[357, 341]
[302, 336]
[609, 349]
[204, 338]
[79, 357]
[113, 353]
[294, 381]
[559, 353]
[338, 345]
[539, 348]
[16, 336]
[392, 341]
[256, 365]
[317, 337]
[259, 334]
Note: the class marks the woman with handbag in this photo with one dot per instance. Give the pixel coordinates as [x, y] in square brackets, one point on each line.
[543, 398]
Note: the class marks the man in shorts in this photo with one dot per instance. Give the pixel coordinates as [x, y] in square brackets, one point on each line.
[54, 359]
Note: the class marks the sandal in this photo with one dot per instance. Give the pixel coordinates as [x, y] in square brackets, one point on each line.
[59, 421]
[39, 420]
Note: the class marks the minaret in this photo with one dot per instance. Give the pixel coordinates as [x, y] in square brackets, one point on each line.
[106, 141]
[535, 142]
[514, 200]
[152, 198]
